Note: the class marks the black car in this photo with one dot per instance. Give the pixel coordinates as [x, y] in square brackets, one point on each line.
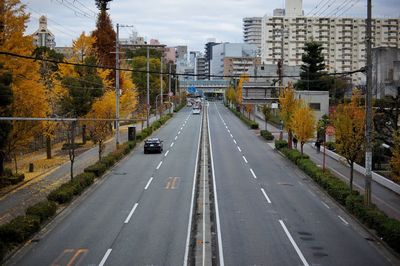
[153, 145]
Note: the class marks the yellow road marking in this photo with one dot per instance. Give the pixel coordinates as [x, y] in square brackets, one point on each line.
[70, 257]
[172, 182]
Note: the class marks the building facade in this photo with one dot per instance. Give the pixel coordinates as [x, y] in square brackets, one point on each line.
[252, 31]
[200, 68]
[43, 37]
[248, 52]
[385, 71]
[342, 39]
[239, 65]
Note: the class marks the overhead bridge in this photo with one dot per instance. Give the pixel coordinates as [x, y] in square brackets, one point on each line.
[259, 93]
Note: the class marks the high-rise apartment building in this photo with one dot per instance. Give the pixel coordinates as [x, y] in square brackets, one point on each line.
[252, 31]
[342, 39]
[43, 37]
[200, 68]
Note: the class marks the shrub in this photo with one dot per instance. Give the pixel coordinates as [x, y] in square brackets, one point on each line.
[19, 229]
[82, 180]
[294, 155]
[62, 194]
[43, 209]
[98, 168]
[11, 179]
[267, 135]
[108, 160]
[66, 146]
[3, 250]
[330, 145]
[131, 144]
[280, 144]
[254, 125]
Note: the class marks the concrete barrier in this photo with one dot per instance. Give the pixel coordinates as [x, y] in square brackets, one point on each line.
[389, 184]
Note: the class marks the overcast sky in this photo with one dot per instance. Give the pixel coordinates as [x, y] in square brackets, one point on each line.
[183, 22]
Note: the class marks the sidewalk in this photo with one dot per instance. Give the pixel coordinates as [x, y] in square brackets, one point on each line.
[385, 199]
[36, 189]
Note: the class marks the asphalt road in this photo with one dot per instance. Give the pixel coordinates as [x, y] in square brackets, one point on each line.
[137, 215]
[270, 213]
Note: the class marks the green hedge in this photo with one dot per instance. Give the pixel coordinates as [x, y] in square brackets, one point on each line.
[267, 135]
[386, 228]
[11, 179]
[19, 229]
[97, 169]
[248, 122]
[43, 209]
[279, 144]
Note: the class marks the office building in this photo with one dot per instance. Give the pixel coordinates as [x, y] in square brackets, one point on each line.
[43, 36]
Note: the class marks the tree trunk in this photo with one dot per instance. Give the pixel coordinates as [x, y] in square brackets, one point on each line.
[15, 163]
[48, 147]
[84, 134]
[100, 149]
[301, 147]
[290, 138]
[71, 151]
[2, 155]
[351, 175]
[266, 125]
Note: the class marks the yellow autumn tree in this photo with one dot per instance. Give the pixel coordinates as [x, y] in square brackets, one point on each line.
[239, 90]
[288, 104]
[395, 160]
[249, 109]
[28, 92]
[129, 97]
[102, 108]
[230, 95]
[303, 123]
[349, 122]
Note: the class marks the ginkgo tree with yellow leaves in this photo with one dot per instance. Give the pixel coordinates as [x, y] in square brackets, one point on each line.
[303, 123]
[28, 92]
[349, 122]
[288, 105]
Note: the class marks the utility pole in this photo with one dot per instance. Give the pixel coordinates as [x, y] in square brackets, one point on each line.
[368, 109]
[117, 87]
[169, 86]
[148, 88]
[161, 81]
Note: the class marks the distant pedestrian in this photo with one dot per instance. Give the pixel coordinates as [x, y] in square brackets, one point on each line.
[295, 142]
[318, 145]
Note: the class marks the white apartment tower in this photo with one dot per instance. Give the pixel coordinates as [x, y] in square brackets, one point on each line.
[342, 39]
[293, 8]
[252, 31]
[43, 37]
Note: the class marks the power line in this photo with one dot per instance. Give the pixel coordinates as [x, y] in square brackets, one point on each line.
[338, 8]
[309, 12]
[348, 9]
[165, 73]
[321, 7]
[77, 11]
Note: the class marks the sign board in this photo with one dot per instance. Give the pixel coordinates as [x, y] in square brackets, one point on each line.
[274, 105]
[330, 131]
[170, 94]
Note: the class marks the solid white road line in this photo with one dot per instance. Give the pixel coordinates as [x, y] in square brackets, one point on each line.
[234, 141]
[165, 155]
[266, 196]
[148, 183]
[244, 158]
[219, 235]
[305, 263]
[326, 205]
[252, 172]
[159, 165]
[103, 261]
[172, 144]
[131, 213]
[239, 148]
[185, 258]
[343, 220]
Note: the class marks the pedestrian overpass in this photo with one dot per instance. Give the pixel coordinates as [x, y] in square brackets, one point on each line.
[210, 89]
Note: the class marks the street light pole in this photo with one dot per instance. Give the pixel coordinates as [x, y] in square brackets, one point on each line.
[148, 88]
[368, 115]
[117, 87]
[169, 86]
[161, 80]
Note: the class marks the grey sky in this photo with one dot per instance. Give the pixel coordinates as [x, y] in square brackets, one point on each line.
[182, 22]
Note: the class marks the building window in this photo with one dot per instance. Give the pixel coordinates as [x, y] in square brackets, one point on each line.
[315, 106]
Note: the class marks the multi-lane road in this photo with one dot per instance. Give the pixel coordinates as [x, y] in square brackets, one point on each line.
[268, 213]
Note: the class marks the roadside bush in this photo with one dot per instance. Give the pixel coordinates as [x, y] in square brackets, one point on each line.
[131, 144]
[156, 124]
[267, 135]
[19, 229]
[82, 180]
[8, 180]
[330, 145]
[62, 194]
[294, 155]
[43, 209]
[3, 251]
[97, 169]
[66, 146]
[280, 144]
[108, 160]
